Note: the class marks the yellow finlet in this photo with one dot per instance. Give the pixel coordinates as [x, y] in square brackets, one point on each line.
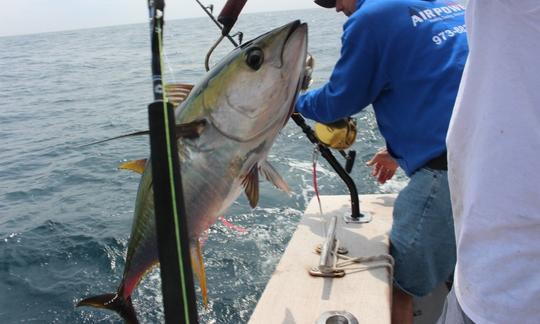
[197, 264]
[135, 165]
[177, 92]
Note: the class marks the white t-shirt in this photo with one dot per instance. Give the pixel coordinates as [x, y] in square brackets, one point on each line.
[494, 164]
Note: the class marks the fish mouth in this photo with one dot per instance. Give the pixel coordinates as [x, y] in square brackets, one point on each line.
[297, 29]
[294, 27]
[294, 45]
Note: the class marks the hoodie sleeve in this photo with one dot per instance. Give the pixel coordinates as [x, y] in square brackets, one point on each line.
[356, 81]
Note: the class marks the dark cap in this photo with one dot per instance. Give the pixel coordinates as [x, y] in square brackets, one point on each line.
[326, 3]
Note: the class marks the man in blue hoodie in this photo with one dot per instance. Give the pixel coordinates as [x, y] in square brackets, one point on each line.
[405, 58]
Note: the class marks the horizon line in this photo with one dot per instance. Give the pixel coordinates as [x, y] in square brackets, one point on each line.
[203, 15]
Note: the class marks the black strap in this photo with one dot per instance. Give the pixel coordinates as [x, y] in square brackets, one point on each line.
[438, 163]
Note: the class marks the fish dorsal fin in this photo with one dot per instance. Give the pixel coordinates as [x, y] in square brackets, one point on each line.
[177, 92]
[134, 165]
[251, 186]
[268, 171]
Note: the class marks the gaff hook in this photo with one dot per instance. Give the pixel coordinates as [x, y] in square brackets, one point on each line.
[240, 36]
[210, 51]
[224, 22]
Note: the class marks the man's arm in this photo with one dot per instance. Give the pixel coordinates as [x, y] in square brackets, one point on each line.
[356, 81]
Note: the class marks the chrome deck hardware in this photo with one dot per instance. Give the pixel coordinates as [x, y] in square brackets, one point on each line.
[363, 218]
[337, 317]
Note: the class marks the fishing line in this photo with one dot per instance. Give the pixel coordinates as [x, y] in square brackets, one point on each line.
[170, 36]
[169, 66]
[315, 159]
[315, 184]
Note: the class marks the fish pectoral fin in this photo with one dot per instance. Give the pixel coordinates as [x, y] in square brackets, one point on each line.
[145, 132]
[177, 92]
[251, 186]
[197, 264]
[190, 130]
[268, 171]
[134, 165]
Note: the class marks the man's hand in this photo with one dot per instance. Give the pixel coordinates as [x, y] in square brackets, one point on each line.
[384, 166]
[308, 71]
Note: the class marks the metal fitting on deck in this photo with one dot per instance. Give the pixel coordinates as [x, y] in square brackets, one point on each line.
[337, 317]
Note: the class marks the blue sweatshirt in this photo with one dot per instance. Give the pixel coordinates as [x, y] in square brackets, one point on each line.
[405, 57]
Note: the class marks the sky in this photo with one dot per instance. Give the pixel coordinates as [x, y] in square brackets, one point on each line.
[36, 16]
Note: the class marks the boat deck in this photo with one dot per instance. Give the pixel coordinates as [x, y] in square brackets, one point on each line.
[294, 296]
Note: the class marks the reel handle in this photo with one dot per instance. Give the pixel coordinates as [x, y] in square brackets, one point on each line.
[350, 161]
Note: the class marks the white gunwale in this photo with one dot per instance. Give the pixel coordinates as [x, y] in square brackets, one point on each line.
[293, 296]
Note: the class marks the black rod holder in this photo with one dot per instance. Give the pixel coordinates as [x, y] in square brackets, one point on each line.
[327, 154]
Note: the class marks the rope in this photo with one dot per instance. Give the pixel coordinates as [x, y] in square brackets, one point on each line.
[357, 264]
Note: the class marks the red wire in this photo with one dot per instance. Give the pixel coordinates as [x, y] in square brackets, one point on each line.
[315, 185]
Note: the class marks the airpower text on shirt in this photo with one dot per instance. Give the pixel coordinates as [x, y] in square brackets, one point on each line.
[436, 14]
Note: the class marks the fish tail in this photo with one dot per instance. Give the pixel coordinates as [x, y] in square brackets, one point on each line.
[197, 264]
[115, 302]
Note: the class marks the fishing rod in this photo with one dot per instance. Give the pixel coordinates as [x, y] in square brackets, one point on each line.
[179, 301]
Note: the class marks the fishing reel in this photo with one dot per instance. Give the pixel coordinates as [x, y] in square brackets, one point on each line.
[339, 135]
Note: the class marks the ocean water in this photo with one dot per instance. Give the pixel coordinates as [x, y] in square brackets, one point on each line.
[66, 212]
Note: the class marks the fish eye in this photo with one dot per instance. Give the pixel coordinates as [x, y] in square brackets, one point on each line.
[254, 58]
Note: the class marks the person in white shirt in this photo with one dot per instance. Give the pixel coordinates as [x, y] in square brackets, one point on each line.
[493, 167]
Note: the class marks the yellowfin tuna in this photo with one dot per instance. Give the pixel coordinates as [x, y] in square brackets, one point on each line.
[246, 99]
